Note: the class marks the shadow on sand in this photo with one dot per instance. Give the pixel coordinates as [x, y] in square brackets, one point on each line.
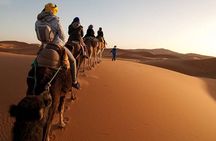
[211, 87]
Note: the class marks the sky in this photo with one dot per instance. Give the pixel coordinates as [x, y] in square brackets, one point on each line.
[184, 26]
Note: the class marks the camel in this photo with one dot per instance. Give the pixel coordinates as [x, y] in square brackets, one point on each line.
[76, 50]
[57, 82]
[30, 114]
[101, 47]
[92, 47]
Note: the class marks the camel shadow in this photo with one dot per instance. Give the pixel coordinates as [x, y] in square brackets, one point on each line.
[210, 84]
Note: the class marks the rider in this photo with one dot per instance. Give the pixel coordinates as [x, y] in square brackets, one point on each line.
[100, 35]
[48, 15]
[75, 31]
[90, 32]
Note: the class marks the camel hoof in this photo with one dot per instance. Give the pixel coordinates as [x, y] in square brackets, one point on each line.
[66, 119]
[62, 124]
[67, 108]
[51, 138]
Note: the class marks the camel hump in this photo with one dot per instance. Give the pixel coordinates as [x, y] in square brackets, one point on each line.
[100, 39]
[91, 41]
[90, 38]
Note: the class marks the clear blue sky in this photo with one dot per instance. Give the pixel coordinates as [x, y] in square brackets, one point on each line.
[180, 25]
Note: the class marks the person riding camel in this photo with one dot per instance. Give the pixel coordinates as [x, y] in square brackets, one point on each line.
[90, 32]
[75, 31]
[50, 32]
[100, 35]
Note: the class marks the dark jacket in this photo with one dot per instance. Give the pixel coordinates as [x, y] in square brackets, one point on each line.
[114, 51]
[100, 33]
[75, 31]
[90, 33]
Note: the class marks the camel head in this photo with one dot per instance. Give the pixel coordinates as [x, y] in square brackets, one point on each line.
[31, 107]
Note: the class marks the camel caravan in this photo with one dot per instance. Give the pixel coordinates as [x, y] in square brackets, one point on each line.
[54, 73]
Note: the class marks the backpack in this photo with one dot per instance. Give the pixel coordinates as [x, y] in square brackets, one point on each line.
[44, 32]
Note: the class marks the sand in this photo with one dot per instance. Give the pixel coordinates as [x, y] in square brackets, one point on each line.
[122, 100]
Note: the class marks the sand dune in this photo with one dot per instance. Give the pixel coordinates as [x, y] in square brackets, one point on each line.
[18, 47]
[123, 100]
[190, 64]
[194, 67]
[153, 54]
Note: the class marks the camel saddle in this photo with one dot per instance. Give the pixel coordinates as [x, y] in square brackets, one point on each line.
[52, 56]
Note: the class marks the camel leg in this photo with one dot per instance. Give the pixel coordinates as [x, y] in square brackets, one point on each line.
[61, 112]
[98, 56]
[94, 61]
[101, 54]
[77, 66]
[83, 65]
[88, 63]
[51, 113]
[73, 95]
[80, 64]
[93, 58]
[90, 58]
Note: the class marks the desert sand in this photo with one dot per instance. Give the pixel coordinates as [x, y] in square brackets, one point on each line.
[122, 100]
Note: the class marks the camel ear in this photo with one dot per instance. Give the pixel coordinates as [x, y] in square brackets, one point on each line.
[13, 110]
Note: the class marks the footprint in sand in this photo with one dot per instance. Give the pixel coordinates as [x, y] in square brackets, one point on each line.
[66, 119]
[67, 108]
[94, 77]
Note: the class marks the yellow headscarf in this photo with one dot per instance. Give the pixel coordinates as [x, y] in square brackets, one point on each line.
[50, 7]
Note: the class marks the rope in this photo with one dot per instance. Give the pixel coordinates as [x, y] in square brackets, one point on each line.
[47, 87]
[78, 55]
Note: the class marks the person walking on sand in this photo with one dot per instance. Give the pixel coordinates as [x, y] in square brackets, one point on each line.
[114, 53]
[50, 32]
